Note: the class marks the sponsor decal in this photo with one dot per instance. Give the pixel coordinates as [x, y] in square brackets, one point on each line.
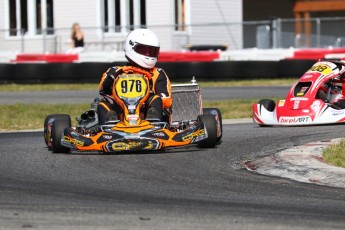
[281, 103]
[316, 106]
[131, 145]
[107, 137]
[303, 91]
[296, 104]
[199, 138]
[67, 139]
[196, 134]
[294, 120]
[337, 113]
[159, 134]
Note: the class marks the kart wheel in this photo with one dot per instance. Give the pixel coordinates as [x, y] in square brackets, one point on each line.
[218, 116]
[211, 128]
[57, 130]
[53, 117]
[268, 104]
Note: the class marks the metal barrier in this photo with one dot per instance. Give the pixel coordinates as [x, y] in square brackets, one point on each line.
[275, 33]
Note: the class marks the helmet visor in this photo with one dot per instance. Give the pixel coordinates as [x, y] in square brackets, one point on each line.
[146, 50]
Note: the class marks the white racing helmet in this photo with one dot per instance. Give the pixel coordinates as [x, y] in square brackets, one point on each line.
[142, 47]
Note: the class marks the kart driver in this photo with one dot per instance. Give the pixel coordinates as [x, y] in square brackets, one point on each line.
[141, 50]
[333, 92]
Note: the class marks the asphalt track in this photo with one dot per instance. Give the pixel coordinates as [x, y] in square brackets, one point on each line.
[186, 188]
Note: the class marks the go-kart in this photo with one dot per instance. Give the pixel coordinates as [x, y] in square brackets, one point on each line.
[186, 123]
[305, 104]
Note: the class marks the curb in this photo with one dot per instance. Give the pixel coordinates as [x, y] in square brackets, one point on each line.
[301, 163]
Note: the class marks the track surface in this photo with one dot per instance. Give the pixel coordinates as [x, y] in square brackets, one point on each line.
[178, 189]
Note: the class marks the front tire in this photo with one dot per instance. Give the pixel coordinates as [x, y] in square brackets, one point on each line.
[57, 130]
[268, 104]
[53, 117]
[218, 116]
[210, 125]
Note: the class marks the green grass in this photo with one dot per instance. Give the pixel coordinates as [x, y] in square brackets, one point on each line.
[335, 155]
[45, 87]
[31, 116]
[23, 116]
[232, 109]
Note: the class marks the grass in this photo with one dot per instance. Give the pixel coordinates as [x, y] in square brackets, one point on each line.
[31, 116]
[45, 87]
[232, 109]
[23, 116]
[335, 155]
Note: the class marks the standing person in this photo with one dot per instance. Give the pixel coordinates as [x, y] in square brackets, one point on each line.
[77, 39]
[141, 50]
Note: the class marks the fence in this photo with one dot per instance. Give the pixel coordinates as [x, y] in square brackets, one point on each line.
[275, 33]
[57, 40]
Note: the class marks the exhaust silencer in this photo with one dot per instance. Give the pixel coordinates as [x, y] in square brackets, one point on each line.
[88, 115]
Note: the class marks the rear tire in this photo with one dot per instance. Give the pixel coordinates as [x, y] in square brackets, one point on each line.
[211, 128]
[57, 130]
[218, 116]
[53, 116]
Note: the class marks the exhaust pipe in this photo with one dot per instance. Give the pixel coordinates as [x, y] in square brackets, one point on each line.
[88, 115]
[89, 119]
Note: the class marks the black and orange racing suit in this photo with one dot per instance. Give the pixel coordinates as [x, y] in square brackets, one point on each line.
[161, 98]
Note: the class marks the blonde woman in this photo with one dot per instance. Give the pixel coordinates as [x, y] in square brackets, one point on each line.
[77, 40]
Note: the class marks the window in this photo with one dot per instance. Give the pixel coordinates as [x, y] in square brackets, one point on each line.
[123, 15]
[48, 23]
[180, 19]
[18, 17]
[30, 17]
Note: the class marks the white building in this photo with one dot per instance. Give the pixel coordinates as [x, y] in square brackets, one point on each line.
[25, 27]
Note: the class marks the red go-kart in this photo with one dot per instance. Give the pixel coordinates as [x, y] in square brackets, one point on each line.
[305, 103]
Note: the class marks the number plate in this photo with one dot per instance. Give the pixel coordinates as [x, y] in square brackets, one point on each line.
[324, 69]
[131, 86]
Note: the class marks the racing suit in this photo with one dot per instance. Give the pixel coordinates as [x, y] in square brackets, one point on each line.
[337, 93]
[159, 100]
